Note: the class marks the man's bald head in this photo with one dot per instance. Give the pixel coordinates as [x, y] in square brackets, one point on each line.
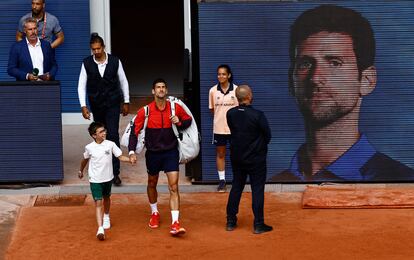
[244, 94]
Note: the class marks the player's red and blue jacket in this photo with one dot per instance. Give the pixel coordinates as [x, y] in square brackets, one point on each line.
[159, 135]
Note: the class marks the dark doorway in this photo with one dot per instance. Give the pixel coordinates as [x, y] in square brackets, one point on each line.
[148, 37]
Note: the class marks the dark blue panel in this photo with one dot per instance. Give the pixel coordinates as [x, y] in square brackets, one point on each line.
[253, 38]
[74, 19]
[30, 132]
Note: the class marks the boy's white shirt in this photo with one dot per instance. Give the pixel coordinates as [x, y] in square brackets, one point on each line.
[100, 160]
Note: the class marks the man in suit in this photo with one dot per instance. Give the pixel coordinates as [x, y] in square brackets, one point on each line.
[32, 59]
[250, 135]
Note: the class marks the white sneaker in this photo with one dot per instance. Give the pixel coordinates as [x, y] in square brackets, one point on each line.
[101, 233]
[106, 223]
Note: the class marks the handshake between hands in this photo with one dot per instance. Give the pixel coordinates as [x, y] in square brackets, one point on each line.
[131, 159]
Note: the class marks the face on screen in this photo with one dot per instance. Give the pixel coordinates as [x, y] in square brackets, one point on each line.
[325, 77]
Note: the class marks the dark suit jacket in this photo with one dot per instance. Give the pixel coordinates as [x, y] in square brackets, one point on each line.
[250, 135]
[20, 62]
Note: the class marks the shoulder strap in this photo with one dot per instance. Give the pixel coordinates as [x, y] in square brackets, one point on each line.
[172, 104]
[174, 127]
[146, 110]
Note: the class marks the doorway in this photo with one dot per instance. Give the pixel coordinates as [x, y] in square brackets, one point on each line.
[148, 37]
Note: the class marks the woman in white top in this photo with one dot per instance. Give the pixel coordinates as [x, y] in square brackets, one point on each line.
[222, 97]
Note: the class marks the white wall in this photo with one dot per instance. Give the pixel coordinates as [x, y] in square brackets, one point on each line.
[187, 25]
[100, 15]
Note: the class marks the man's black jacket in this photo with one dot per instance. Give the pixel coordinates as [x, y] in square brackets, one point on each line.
[250, 135]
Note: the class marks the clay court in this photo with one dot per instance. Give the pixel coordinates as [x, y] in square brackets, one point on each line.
[62, 225]
[53, 227]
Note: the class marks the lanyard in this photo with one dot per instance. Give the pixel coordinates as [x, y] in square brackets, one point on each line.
[44, 26]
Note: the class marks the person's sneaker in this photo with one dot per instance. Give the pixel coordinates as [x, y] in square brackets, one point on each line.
[106, 223]
[258, 229]
[222, 186]
[176, 229]
[117, 180]
[154, 220]
[101, 233]
[231, 225]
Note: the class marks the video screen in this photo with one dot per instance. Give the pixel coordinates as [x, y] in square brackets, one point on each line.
[334, 79]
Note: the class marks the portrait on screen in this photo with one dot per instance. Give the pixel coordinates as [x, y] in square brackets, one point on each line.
[334, 80]
[332, 69]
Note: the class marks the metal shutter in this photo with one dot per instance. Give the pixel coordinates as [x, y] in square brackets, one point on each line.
[30, 132]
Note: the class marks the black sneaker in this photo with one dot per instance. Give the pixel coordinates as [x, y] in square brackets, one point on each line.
[222, 186]
[262, 228]
[231, 225]
[117, 181]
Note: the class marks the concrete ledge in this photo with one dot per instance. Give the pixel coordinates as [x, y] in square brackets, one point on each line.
[74, 119]
[163, 188]
[9, 210]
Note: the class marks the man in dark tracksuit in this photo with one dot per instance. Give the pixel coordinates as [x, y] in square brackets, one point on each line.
[103, 82]
[250, 135]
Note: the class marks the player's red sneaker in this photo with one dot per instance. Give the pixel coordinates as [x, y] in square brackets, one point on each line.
[154, 220]
[176, 229]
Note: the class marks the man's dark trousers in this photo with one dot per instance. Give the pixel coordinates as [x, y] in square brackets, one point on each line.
[257, 175]
[109, 116]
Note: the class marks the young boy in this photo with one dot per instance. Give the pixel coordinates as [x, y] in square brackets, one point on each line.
[100, 152]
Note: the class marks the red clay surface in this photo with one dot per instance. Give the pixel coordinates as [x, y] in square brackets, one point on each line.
[68, 232]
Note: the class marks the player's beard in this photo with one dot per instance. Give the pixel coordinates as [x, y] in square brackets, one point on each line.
[323, 113]
[161, 95]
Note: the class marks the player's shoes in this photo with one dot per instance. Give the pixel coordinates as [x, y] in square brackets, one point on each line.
[176, 229]
[106, 223]
[100, 234]
[154, 220]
